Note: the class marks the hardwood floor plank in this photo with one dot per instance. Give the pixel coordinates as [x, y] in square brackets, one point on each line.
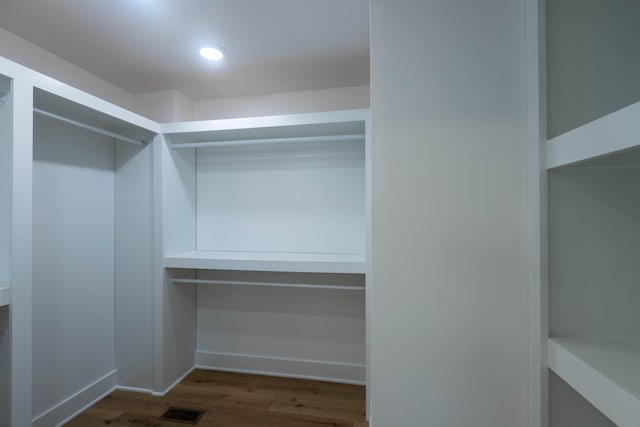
[332, 409]
[95, 416]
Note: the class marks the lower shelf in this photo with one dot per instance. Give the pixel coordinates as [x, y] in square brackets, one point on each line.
[268, 261]
[5, 296]
[605, 371]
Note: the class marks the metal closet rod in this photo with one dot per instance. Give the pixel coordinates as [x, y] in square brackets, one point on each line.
[89, 127]
[267, 284]
[325, 138]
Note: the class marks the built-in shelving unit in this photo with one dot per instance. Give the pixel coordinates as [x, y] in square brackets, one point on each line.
[278, 193]
[586, 240]
[268, 217]
[594, 235]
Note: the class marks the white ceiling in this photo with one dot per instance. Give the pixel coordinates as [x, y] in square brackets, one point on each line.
[149, 45]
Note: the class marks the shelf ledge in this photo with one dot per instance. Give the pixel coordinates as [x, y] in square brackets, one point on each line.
[611, 134]
[268, 261]
[289, 140]
[5, 296]
[605, 371]
[179, 281]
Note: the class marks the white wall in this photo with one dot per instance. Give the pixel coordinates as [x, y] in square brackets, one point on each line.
[449, 311]
[73, 262]
[343, 98]
[288, 198]
[592, 58]
[594, 229]
[23, 52]
[300, 332]
[164, 106]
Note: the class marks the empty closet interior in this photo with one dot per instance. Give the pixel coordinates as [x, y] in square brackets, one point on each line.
[92, 255]
[265, 236]
[594, 213]
[151, 249]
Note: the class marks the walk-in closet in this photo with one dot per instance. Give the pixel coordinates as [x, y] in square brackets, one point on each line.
[235, 245]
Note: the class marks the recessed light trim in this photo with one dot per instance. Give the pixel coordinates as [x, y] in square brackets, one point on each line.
[212, 53]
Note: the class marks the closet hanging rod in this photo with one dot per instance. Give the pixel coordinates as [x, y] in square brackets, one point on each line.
[267, 284]
[89, 127]
[325, 138]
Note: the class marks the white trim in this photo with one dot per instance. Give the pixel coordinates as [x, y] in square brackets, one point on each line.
[134, 389]
[537, 208]
[77, 403]
[320, 370]
[281, 375]
[368, 256]
[267, 284]
[176, 382]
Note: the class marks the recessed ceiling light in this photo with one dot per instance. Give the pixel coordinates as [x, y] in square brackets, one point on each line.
[212, 53]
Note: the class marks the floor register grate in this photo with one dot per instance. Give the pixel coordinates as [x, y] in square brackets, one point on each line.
[181, 415]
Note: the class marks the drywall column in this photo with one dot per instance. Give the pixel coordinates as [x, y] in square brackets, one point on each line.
[174, 307]
[21, 253]
[450, 270]
[134, 284]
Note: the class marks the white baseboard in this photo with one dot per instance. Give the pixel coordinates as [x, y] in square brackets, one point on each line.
[134, 389]
[321, 370]
[163, 393]
[76, 403]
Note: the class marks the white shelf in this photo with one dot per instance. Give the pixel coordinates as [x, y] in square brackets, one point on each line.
[282, 126]
[109, 120]
[611, 134]
[5, 295]
[605, 371]
[268, 261]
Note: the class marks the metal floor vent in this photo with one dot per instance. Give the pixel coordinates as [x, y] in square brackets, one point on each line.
[181, 415]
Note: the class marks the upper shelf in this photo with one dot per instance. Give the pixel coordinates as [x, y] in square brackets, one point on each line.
[277, 129]
[116, 122]
[609, 135]
[5, 296]
[605, 371]
[268, 261]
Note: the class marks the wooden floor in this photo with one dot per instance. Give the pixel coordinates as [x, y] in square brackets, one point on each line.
[236, 400]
